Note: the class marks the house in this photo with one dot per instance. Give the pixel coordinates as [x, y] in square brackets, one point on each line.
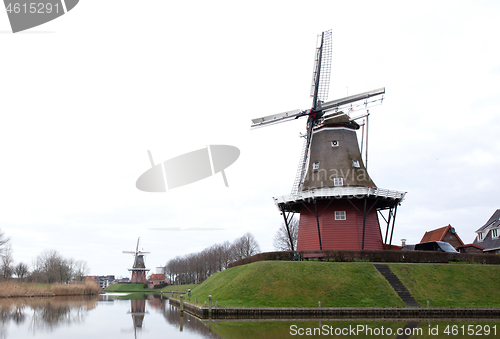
[446, 234]
[155, 280]
[103, 280]
[488, 235]
[470, 248]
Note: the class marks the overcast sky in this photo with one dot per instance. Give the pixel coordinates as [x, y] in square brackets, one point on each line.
[85, 96]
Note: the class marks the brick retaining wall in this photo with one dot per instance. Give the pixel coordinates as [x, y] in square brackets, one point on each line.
[339, 312]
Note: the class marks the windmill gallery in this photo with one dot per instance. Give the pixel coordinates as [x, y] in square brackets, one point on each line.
[336, 199]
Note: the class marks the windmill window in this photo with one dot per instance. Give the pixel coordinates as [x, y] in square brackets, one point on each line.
[338, 182]
[335, 143]
[316, 165]
[355, 163]
[339, 215]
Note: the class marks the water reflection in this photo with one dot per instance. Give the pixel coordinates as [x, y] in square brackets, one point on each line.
[44, 314]
[186, 322]
[138, 311]
[148, 316]
[181, 322]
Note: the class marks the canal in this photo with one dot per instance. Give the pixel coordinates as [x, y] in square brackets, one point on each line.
[148, 316]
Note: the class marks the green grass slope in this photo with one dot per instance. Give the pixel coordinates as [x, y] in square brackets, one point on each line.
[126, 288]
[451, 285]
[178, 288]
[140, 288]
[299, 284]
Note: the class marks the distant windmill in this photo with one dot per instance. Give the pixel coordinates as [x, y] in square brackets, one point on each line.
[139, 268]
[336, 198]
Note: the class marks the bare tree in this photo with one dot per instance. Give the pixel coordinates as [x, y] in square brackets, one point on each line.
[81, 270]
[49, 261]
[282, 239]
[21, 270]
[245, 246]
[7, 267]
[4, 240]
[50, 267]
[225, 254]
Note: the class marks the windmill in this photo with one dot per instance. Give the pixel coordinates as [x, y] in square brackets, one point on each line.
[337, 200]
[139, 268]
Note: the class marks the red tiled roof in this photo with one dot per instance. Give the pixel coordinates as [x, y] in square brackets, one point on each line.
[472, 245]
[157, 277]
[435, 235]
[438, 235]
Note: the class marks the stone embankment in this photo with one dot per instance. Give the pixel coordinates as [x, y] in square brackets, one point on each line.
[337, 312]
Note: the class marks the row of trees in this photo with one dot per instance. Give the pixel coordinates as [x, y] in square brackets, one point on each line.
[194, 268]
[48, 267]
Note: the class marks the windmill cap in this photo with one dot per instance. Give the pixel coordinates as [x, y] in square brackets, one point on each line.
[340, 119]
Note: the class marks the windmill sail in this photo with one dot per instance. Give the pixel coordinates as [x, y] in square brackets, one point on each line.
[277, 118]
[322, 67]
[300, 169]
[319, 92]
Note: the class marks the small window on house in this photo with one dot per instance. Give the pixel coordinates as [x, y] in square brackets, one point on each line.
[355, 163]
[316, 165]
[335, 143]
[494, 233]
[338, 182]
[480, 236]
[339, 215]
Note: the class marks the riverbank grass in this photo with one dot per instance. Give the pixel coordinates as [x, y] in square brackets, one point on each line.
[15, 289]
[140, 288]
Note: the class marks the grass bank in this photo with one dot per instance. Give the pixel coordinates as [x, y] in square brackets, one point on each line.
[14, 289]
[336, 284]
[126, 288]
[179, 288]
[140, 288]
[451, 285]
[298, 284]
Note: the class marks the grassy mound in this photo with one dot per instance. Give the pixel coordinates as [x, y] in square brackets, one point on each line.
[299, 284]
[451, 285]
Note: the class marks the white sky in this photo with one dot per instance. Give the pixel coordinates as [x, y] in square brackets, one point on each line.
[85, 96]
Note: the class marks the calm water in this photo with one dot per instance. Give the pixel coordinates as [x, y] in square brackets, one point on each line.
[147, 316]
